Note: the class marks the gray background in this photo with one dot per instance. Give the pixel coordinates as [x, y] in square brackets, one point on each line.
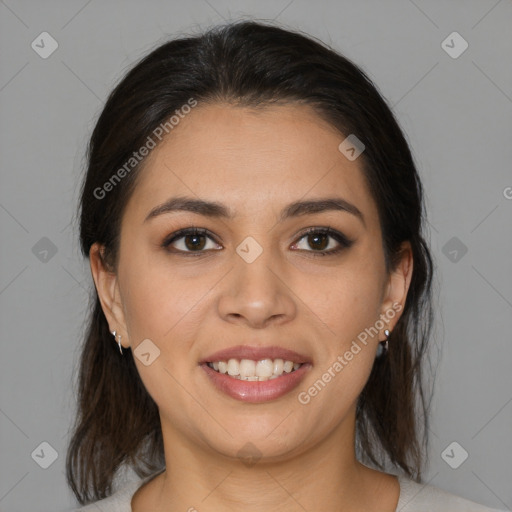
[456, 113]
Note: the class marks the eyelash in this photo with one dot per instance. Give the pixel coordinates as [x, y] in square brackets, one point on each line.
[344, 242]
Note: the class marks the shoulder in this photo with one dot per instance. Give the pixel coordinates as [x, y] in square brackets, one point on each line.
[120, 501]
[415, 497]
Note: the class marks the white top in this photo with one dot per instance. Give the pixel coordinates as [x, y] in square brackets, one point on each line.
[414, 497]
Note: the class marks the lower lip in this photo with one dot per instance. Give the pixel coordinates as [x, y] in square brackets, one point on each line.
[254, 391]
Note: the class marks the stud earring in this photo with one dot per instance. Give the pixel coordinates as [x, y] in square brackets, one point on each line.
[118, 342]
[383, 345]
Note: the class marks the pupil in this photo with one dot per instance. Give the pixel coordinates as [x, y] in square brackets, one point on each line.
[194, 246]
[313, 241]
[315, 238]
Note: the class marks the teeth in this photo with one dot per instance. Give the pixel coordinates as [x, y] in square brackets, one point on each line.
[288, 366]
[278, 366]
[247, 369]
[233, 367]
[265, 368]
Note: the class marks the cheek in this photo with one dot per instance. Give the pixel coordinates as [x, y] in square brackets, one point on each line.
[160, 307]
[348, 300]
[351, 308]
[156, 297]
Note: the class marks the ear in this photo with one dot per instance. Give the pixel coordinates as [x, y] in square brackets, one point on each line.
[107, 288]
[397, 287]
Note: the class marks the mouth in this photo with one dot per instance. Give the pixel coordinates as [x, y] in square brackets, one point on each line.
[255, 374]
[254, 371]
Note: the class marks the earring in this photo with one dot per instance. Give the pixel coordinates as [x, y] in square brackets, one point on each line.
[383, 345]
[118, 342]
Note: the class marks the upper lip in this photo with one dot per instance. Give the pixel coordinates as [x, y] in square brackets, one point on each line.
[256, 353]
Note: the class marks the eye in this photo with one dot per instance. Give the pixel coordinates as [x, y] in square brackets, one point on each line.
[190, 240]
[318, 239]
[195, 240]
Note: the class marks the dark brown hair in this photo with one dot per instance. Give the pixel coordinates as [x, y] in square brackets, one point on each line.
[248, 64]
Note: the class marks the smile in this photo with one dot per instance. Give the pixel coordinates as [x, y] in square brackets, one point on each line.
[254, 371]
[255, 389]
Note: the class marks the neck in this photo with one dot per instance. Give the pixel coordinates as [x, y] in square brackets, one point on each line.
[326, 477]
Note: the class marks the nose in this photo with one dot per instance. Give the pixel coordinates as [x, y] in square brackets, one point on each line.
[256, 294]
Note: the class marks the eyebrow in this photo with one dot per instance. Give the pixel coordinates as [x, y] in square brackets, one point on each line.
[218, 210]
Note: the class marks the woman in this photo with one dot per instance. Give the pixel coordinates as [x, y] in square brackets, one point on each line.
[262, 306]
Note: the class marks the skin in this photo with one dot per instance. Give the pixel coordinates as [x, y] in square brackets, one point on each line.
[255, 162]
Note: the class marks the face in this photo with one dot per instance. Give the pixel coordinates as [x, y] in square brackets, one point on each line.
[260, 276]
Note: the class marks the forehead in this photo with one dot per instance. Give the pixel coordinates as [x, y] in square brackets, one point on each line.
[250, 160]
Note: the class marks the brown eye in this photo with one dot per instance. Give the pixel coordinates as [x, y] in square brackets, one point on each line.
[190, 240]
[324, 241]
[318, 241]
[194, 242]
